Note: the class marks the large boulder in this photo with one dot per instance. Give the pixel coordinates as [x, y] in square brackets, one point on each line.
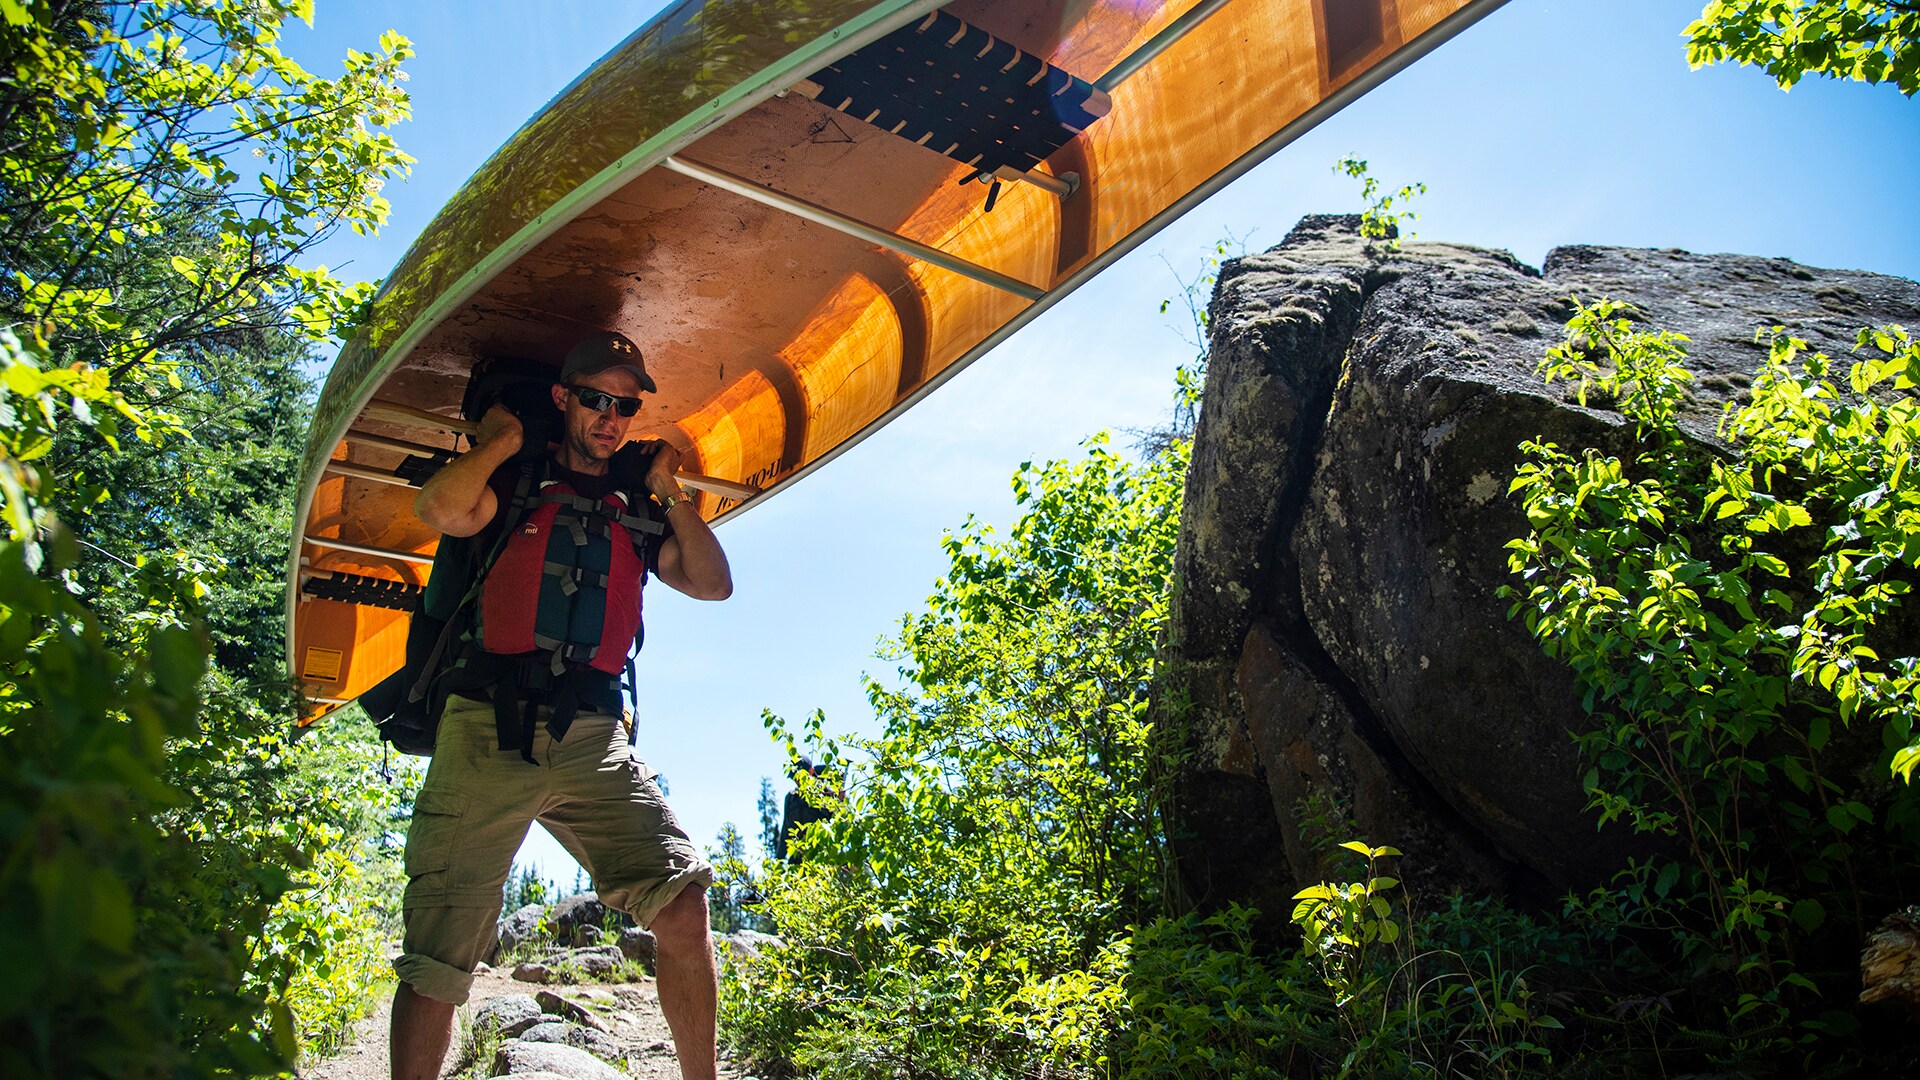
[596, 962]
[1345, 667]
[638, 946]
[507, 1016]
[744, 944]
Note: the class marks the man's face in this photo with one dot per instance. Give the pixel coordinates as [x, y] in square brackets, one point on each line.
[596, 435]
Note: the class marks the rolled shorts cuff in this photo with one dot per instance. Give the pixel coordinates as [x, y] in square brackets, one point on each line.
[645, 906]
[431, 978]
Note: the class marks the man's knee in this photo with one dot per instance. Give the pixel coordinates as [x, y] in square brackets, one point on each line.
[684, 919]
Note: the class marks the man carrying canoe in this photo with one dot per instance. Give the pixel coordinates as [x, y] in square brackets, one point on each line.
[532, 726]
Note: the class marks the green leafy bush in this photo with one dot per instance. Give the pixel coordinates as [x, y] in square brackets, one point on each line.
[102, 911]
[1735, 614]
[186, 894]
[959, 914]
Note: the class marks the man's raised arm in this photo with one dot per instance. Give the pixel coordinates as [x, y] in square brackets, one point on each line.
[691, 560]
[456, 501]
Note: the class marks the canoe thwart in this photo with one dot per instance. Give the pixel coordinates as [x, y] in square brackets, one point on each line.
[839, 222]
[368, 549]
[1159, 43]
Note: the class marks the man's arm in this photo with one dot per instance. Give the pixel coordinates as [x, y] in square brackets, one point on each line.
[456, 501]
[690, 560]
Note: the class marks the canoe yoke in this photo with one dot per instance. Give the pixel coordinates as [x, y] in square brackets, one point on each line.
[960, 92]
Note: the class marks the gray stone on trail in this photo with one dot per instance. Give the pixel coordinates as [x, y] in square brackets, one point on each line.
[520, 927]
[637, 945]
[522, 1058]
[533, 973]
[598, 1043]
[555, 1005]
[507, 1016]
[597, 961]
[582, 910]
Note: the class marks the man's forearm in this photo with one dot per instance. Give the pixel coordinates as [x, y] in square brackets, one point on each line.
[450, 498]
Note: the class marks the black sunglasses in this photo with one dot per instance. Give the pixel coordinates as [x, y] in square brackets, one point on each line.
[601, 401]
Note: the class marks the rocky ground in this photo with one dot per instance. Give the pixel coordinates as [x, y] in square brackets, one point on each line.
[560, 1006]
[623, 1023]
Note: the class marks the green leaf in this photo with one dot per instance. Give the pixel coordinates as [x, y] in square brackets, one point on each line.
[1669, 877]
[1808, 915]
[177, 659]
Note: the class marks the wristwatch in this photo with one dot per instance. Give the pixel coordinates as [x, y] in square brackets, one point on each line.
[668, 502]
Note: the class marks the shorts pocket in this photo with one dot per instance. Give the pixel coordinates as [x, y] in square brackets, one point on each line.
[435, 830]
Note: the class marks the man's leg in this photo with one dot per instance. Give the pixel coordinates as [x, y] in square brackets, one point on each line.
[617, 823]
[469, 818]
[418, 1035]
[689, 987]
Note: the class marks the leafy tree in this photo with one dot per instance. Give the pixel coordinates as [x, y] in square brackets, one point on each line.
[959, 913]
[129, 126]
[162, 297]
[1870, 41]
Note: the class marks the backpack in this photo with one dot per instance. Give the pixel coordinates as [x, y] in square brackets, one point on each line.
[403, 706]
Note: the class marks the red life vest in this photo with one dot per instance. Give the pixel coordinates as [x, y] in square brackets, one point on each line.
[568, 581]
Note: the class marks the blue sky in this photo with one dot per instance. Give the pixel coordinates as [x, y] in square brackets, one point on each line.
[1572, 122]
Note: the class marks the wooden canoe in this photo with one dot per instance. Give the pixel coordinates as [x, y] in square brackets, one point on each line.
[789, 212]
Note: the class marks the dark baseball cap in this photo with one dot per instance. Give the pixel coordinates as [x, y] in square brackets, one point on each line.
[604, 351]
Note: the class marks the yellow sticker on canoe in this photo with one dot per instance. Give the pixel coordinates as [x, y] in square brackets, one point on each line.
[323, 665]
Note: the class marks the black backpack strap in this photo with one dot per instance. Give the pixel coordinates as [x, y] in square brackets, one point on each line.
[633, 690]
[522, 688]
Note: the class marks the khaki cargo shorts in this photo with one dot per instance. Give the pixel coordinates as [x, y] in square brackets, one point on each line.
[589, 790]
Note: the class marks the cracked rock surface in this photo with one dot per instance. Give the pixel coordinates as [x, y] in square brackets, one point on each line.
[1344, 666]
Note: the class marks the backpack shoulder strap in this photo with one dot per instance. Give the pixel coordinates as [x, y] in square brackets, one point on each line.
[532, 470]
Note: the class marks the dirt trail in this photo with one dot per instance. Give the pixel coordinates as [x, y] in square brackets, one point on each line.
[629, 1011]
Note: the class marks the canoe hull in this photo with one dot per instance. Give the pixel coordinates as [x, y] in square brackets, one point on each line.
[776, 342]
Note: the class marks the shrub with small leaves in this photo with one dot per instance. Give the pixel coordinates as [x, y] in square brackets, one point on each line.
[1734, 611]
